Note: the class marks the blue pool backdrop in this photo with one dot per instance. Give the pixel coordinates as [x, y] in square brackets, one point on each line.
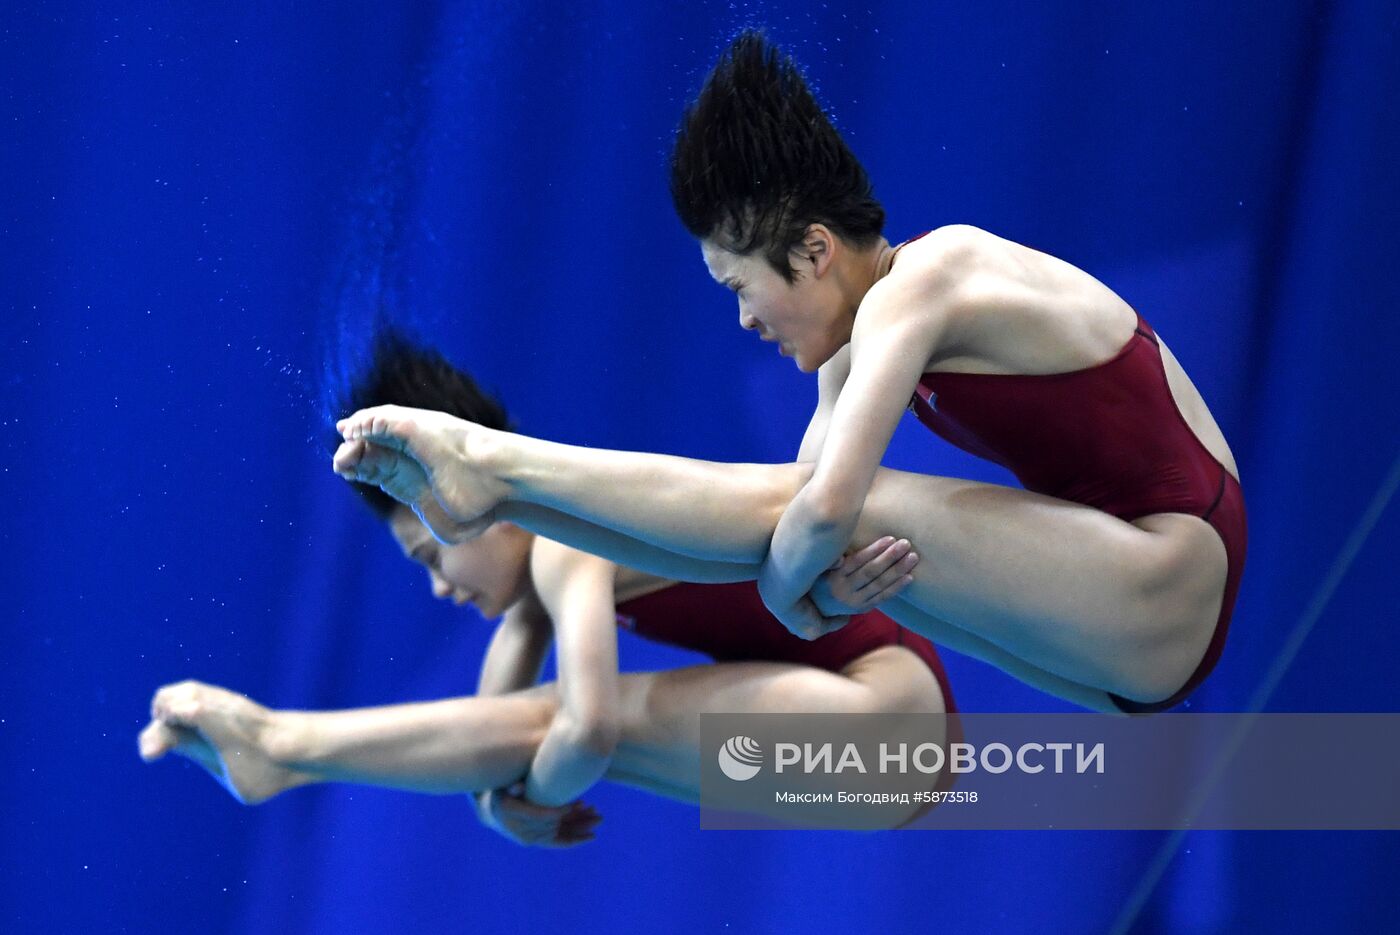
[202, 204]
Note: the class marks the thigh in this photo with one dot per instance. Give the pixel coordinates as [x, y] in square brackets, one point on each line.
[659, 749]
[948, 636]
[1060, 585]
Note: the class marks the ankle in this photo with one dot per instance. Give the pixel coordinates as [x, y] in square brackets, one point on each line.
[288, 741]
[497, 454]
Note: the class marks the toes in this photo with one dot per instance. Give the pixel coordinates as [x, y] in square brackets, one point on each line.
[379, 464]
[375, 422]
[347, 458]
[180, 703]
[156, 741]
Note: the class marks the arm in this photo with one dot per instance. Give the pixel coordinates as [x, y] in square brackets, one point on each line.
[577, 591]
[900, 325]
[513, 661]
[830, 379]
[868, 577]
[517, 651]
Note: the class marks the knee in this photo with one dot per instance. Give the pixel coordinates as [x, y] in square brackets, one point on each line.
[781, 486]
[1168, 660]
[904, 685]
[1146, 680]
[541, 704]
[1174, 613]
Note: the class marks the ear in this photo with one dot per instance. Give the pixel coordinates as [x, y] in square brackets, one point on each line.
[816, 251]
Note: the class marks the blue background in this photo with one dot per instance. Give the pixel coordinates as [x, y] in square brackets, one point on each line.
[197, 201]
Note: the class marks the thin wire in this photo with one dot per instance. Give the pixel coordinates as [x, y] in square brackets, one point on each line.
[1287, 653]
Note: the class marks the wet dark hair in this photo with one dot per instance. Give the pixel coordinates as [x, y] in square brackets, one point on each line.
[756, 160]
[402, 372]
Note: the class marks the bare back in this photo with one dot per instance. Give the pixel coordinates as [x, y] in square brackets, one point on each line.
[1050, 317]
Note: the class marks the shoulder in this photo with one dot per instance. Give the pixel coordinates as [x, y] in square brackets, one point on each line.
[1010, 308]
[944, 264]
[554, 567]
[948, 258]
[934, 278]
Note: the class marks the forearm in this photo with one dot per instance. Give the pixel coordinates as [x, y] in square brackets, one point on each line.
[571, 758]
[808, 539]
[452, 746]
[514, 658]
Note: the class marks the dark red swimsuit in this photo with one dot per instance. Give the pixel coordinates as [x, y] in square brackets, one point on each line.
[1108, 436]
[729, 623]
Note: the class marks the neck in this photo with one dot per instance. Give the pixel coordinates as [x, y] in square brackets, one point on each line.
[883, 260]
[868, 267]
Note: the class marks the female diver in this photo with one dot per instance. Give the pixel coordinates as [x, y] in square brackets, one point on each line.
[1108, 580]
[541, 746]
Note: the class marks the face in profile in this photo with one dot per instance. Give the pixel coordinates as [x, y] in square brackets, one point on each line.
[799, 316]
[490, 572]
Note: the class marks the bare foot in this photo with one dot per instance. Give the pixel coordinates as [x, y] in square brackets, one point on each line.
[402, 478]
[226, 733]
[426, 460]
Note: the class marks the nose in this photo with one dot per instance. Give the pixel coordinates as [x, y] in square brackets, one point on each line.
[747, 321]
[441, 589]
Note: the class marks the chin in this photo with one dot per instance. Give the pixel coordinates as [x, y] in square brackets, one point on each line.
[809, 364]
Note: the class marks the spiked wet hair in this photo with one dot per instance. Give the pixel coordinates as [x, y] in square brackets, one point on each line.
[756, 160]
[402, 372]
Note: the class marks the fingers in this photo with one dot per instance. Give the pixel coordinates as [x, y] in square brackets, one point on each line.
[578, 828]
[868, 554]
[809, 623]
[879, 578]
[879, 558]
[523, 808]
[543, 825]
[890, 590]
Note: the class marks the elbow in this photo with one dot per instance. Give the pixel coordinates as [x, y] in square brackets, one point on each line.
[593, 734]
[600, 738]
[826, 511]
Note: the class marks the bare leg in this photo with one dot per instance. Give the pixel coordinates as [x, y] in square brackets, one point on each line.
[1070, 590]
[1078, 597]
[1067, 589]
[457, 476]
[456, 745]
[478, 743]
[948, 636]
[660, 746]
[621, 548]
[627, 551]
